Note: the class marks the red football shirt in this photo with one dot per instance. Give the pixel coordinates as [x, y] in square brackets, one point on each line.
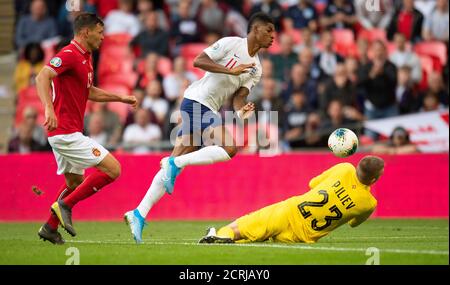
[70, 88]
[404, 24]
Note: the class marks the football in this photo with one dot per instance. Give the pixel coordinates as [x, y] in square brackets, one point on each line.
[343, 142]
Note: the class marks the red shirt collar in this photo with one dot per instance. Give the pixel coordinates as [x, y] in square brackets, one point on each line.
[78, 46]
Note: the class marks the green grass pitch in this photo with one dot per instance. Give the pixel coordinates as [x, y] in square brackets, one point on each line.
[169, 243]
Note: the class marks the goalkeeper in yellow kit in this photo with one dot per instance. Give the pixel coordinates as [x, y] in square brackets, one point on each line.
[338, 196]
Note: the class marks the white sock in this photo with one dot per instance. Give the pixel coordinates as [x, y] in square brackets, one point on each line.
[154, 193]
[206, 155]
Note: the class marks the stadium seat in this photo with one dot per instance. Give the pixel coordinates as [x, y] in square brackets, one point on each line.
[433, 49]
[391, 47]
[275, 47]
[164, 66]
[116, 40]
[343, 36]
[427, 67]
[120, 109]
[344, 41]
[28, 94]
[126, 79]
[320, 6]
[192, 50]
[296, 35]
[373, 34]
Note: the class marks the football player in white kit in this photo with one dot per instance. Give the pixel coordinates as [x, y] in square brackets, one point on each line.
[232, 68]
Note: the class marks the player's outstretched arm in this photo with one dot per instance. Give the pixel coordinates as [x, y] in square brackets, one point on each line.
[360, 219]
[43, 84]
[99, 95]
[243, 108]
[203, 61]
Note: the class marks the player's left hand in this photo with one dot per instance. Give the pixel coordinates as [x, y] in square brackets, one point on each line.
[247, 111]
[130, 100]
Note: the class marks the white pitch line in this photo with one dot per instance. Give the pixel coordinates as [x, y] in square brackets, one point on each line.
[267, 245]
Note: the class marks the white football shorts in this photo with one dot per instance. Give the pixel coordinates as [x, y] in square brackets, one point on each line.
[76, 152]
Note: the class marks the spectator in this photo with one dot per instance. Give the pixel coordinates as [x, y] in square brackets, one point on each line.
[235, 24]
[150, 71]
[299, 80]
[29, 119]
[145, 6]
[435, 26]
[111, 123]
[378, 80]
[211, 37]
[431, 103]
[272, 8]
[211, 15]
[306, 58]
[408, 99]
[295, 120]
[339, 14]
[339, 88]
[96, 129]
[300, 16]
[436, 86]
[65, 17]
[140, 95]
[155, 102]
[327, 58]
[152, 38]
[185, 28]
[23, 142]
[351, 68]
[403, 57]
[363, 51]
[172, 83]
[35, 27]
[398, 143]
[267, 72]
[408, 21]
[28, 67]
[139, 135]
[122, 20]
[308, 41]
[283, 62]
[335, 119]
[269, 101]
[374, 19]
[173, 117]
[104, 7]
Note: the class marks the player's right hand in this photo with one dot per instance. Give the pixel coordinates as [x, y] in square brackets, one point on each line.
[50, 120]
[241, 68]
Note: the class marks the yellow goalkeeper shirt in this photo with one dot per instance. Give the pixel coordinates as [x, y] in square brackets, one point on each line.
[336, 197]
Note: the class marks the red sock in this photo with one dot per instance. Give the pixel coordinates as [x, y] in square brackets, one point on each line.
[90, 186]
[53, 220]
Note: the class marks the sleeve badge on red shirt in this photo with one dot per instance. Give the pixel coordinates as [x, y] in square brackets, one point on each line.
[56, 62]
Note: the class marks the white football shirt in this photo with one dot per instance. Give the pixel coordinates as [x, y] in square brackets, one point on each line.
[213, 89]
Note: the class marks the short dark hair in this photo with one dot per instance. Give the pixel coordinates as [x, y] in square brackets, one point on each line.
[29, 48]
[369, 168]
[259, 17]
[86, 20]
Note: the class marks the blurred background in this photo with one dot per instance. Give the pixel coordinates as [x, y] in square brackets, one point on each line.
[379, 68]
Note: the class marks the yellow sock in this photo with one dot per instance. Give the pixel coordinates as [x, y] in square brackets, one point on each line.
[226, 232]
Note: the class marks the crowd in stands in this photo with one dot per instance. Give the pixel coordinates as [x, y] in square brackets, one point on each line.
[334, 63]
